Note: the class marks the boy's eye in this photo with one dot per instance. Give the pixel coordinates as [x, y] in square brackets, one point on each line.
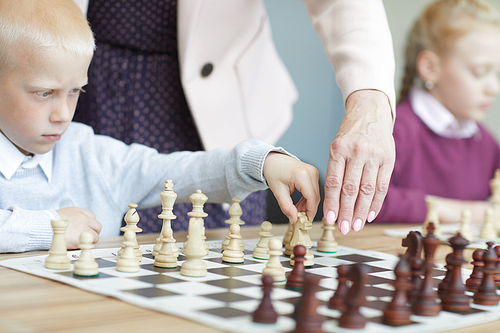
[77, 91]
[44, 94]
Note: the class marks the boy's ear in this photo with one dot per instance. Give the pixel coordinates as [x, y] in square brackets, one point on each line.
[428, 66]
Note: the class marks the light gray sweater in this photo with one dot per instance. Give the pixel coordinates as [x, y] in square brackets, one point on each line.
[104, 175]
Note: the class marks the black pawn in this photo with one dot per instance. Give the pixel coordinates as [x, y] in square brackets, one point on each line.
[398, 311]
[307, 318]
[265, 313]
[295, 280]
[337, 301]
[476, 276]
[443, 285]
[355, 298]
[486, 292]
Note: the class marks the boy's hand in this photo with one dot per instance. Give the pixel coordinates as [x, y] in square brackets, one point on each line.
[80, 220]
[284, 174]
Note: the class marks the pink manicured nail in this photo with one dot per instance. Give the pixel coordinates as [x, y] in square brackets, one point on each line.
[330, 217]
[344, 227]
[371, 216]
[357, 225]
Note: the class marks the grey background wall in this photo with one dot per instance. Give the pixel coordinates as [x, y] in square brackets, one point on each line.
[319, 111]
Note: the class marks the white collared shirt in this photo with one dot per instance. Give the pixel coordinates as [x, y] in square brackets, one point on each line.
[12, 159]
[438, 118]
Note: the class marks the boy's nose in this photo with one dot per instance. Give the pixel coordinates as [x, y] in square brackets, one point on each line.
[493, 87]
[62, 114]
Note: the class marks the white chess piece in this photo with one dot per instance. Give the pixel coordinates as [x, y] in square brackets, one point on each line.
[301, 236]
[327, 242]
[488, 231]
[127, 261]
[194, 250]
[289, 234]
[274, 267]
[432, 216]
[465, 222]
[495, 197]
[167, 197]
[131, 219]
[58, 258]
[86, 264]
[233, 254]
[166, 257]
[198, 200]
[261, 250]
[235, 213]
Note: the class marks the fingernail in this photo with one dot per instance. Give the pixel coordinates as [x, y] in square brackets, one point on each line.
[330, 217]
[344, 227]
[371, 216]
[357, 225]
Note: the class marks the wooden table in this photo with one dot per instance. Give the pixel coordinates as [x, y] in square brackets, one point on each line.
[33, 304]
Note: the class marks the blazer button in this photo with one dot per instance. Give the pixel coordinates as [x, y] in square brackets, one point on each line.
[207, 69]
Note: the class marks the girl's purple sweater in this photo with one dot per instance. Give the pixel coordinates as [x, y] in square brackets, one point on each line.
[427, 163]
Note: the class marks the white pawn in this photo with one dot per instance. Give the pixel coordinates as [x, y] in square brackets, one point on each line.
[274, 267]
[261, 251]
[194, 250]
[432, 216]
[131, 219]
[128, 262]
[235, 213]
[58, 258]
[166, 257]
[233, 254]
[86, 264]
[327, 242]
[465, 222]
[488, 231]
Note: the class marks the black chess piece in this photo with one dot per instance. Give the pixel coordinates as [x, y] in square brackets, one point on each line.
[454, 298]
[476, 276]
[426, 301]
[398, 311]
[413, 242]
[486, 292]
[337, 301]
[443, 285]
[355, 298]
[265, 313]
[306, 317]
[295, 279]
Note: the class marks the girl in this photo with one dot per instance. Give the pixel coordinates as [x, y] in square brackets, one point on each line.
[450, 82]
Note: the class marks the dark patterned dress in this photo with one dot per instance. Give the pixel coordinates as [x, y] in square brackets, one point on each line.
[135, 94]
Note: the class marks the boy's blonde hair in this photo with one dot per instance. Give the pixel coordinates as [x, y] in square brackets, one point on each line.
[440, 26]
[31, 25]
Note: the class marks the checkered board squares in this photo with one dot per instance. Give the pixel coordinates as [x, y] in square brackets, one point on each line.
[227, 296]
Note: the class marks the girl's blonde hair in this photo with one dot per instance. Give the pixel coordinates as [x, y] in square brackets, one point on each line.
[36, 24]
[439, 27]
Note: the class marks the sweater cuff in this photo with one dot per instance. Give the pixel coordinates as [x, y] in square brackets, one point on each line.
[41, 233]
[253, 161]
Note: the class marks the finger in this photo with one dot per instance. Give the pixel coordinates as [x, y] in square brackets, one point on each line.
[381, 188]
[95, 236]
[349, 194]
[282, 195]
[95, 226]
[365, 196]
[333, 184]
[310, 197]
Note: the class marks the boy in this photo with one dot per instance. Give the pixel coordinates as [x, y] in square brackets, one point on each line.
[53, 168]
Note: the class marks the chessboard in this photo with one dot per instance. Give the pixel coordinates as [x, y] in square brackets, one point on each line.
[227, 296]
